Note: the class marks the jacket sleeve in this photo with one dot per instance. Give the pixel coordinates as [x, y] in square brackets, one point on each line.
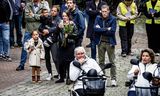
[28, 9]
[108, 31]
[81, 24]
[74, 34]
[90, 11]
[74, 72]
[27, 45]
[130, 74]
[119, 14]
[42, 51]
[149, 16]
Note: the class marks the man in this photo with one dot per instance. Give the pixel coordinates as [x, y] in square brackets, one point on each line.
[105, 27]
[32, 17]
[52, 31]
[5, 15]
[93, 8]
[16, 22]
[152, 13]
[78, 19]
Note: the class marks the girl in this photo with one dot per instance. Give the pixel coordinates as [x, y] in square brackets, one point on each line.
[36, 53]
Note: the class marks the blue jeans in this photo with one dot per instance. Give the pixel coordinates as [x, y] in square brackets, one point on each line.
[93, 49]
[16, 23]
[4, 39]
[27, 36]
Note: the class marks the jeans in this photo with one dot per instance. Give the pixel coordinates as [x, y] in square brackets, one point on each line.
[17, 23]
[27, 36]
[93, 49]
[4, 39]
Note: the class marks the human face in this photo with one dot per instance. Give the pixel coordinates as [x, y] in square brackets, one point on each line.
[45, 13]
[80, 55]
[35, 35]
[70, 4]
[128, 3]
[54, 11]
[146, 58]
[105, 12]
[65, 17]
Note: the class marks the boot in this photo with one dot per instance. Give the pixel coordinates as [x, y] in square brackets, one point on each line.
[38, 79]
[33, 79]
[68, 81]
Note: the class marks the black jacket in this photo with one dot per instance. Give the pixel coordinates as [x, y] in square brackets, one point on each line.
[5, 11]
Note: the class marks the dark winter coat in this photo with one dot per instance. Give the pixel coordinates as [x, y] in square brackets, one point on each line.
[5, 11]
[103, 30]
[92, 11]
[79, 20]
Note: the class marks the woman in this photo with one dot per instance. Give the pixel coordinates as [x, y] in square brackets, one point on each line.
[146, 64]
[86, 64]
[68, 35]
[126, 13]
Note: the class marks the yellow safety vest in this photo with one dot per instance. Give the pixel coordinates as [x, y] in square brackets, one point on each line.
[157, 8]
[124, 11]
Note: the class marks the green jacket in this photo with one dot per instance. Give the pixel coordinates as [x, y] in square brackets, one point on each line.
[33, 22]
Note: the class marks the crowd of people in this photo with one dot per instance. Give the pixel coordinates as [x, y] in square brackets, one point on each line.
[60, 31]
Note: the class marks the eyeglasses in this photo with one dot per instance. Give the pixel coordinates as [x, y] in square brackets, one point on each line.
[80, 53]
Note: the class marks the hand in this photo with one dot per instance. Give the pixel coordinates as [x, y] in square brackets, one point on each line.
[22, 5]
[81, 61]
[30, 50]
[97, 26]
[136, 72]
[45, 32]
[109, 28]
[65, 35]
[61, 25]
[31, 13]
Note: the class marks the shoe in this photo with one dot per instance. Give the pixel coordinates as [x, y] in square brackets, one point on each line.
[12, 47]
[1, 56]
[157, 54]
[49, 77]
[7, 58]
[55, 76]
[68, 82]
[89, 45]
[19, 68]
[130, 53]
[114, 83]
[123, 54]
[60, 81]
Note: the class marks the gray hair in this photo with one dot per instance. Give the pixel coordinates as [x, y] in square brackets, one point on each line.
[80, 48]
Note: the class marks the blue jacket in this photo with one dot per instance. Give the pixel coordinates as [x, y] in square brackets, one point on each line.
[79, 20]
[103, 30]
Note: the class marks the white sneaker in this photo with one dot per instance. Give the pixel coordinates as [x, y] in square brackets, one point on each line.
[114, 83]
[49, 77]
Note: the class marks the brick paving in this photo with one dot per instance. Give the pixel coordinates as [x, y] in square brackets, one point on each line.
[13, 83]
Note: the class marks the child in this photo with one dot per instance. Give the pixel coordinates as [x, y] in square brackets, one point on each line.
[35, 49]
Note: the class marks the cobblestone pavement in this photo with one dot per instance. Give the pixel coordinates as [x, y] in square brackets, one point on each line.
[13, 83]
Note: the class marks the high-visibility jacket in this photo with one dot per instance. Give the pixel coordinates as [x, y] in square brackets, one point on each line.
[124, 11]
[157, 8]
